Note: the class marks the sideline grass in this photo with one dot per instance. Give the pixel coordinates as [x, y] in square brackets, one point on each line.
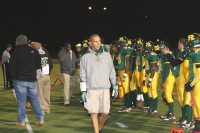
[75, 119]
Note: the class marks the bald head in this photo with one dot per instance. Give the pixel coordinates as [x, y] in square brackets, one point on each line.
[21, 39]
[36, 45]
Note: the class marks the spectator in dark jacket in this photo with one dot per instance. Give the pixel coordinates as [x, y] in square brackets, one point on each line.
[23, 65]
[68, 65]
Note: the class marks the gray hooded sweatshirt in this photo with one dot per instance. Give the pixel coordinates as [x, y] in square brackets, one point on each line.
[96, 70]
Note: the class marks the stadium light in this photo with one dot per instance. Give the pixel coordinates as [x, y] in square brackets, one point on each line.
[104, 8]
[89, 7]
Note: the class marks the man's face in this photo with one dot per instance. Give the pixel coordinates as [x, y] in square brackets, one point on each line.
[95, 43]
[78, 49]
[68, 47]
[113, 48]
[180, 45]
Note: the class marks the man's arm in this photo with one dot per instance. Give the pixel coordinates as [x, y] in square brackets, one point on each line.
[127, 60]
[173, 61]
[82, 75]
[13, 66]
[112, 72]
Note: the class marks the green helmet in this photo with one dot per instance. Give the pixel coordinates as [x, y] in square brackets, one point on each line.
[161, 45]
[122, 43]
[123, 39]
[194, 40]
[85, 43]
[139, 43]
[130, 43]
[149, 46]
[79, 45]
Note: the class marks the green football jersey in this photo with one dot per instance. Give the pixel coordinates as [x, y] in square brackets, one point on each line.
[140, 62]
[166, 67]
[179, 67]
[121, 58]
[133, 59]
[152, 58]
[194, 59]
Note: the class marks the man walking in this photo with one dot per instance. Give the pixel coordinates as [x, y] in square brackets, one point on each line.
[23, 66]
[96, 72]
[68, 64]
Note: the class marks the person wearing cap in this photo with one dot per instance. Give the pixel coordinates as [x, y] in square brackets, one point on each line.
[68, 65]
[97, 73]
[5, 62]
[23, 67]
[44, 79]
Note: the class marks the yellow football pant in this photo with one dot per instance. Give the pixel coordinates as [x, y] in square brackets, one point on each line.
[168, 88]
[144, 88]
[133, 81]
[180, 83]
[124, 87]
[139, 78]
[196, 97]
[153, 91]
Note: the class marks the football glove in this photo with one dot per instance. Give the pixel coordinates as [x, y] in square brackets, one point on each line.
[144, 81]
[149, 82]
[124, 77]
[84, 96]
[189, 86]
[115, 91]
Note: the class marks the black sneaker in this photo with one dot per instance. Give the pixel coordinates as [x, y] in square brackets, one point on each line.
[170, 117]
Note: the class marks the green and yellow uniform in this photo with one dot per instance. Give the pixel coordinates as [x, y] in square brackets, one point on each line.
[168, 79]
[153, 61]
[124, 87]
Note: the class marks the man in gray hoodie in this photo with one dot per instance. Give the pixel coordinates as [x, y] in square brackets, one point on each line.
[68, 65]
[97, 73]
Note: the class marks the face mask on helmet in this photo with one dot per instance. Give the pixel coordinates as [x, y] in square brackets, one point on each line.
[139, 44]
[194, 40]
[149, 46]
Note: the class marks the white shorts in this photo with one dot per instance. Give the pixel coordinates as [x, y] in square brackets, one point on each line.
[99, 101]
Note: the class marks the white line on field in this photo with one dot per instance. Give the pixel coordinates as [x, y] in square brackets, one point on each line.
[121, 125]
[28, 126]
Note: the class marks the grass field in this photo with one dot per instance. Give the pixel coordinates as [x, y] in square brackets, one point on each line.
[74, 119]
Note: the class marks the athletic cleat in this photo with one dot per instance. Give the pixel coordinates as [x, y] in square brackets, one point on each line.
[183, 123]
[154, 112]
[170, 117]
[20, 124]
[188, 127]
[164, 116]
[133, 107]
[125, 110]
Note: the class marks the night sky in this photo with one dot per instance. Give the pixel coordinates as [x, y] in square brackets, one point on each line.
[53, 22]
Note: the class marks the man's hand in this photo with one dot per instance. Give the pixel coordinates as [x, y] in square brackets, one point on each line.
[189, 86]
[115, 91]
[124, 77]
[144, 81]
[149, 82]
[84, 96]
[165, 51]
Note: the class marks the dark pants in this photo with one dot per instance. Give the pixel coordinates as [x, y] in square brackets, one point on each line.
[6, 76]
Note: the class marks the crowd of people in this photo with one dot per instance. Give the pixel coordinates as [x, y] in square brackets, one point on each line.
[139, 66]
[129, 69]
